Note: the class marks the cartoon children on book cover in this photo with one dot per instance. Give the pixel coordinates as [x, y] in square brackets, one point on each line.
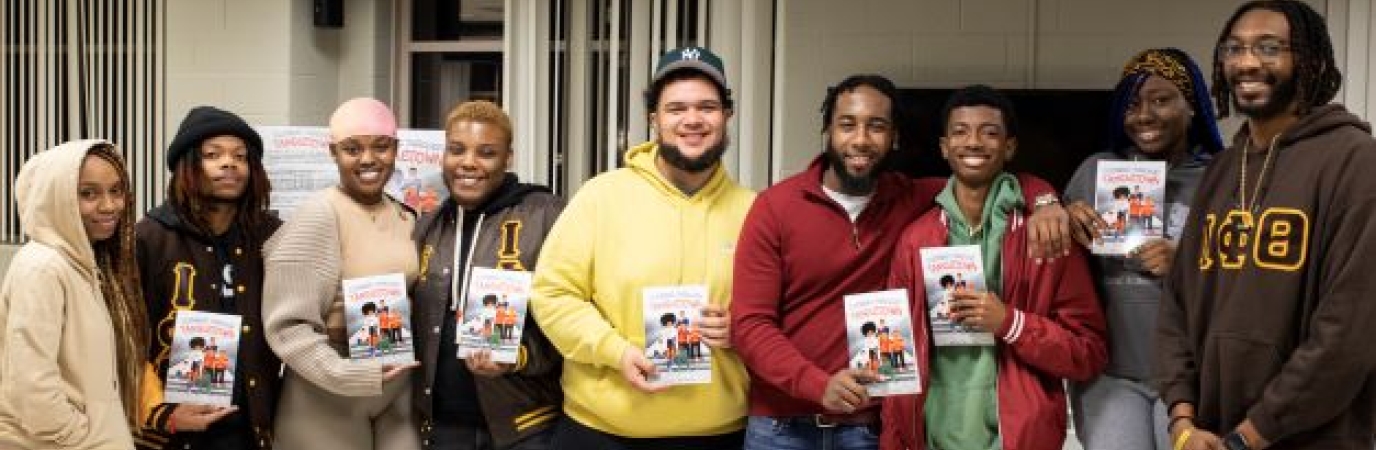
[1129, 196]
[945, 271]
[879, 332]
[205, 350]
[673, 339]
[377, 316]
[494, 314]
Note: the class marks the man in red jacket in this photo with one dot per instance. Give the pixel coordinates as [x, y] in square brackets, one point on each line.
[1045, 318]
[808, 241]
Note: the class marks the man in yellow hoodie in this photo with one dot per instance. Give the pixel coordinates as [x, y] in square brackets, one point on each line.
[670, 218]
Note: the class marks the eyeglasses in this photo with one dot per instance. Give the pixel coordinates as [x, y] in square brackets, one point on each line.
[1264, 50]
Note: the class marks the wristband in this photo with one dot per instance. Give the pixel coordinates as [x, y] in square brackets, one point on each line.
[1180, 440]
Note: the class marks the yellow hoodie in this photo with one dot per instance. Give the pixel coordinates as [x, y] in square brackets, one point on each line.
[59, 386]
[626, 230]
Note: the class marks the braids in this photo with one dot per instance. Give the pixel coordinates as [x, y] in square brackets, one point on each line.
[1316, 74]
[120, 288]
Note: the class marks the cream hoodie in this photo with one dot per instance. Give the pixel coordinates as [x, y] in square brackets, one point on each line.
[624, 231]
[58, 382]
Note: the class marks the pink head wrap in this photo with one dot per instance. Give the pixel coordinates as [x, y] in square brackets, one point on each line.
[362, 116]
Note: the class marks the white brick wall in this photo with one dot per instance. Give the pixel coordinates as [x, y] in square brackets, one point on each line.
[1049, 44]
[264, 60]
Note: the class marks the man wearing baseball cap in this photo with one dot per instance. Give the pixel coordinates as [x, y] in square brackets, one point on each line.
[200, 251]
[668, 219]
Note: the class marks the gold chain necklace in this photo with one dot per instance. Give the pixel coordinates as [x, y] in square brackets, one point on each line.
[1261, 177]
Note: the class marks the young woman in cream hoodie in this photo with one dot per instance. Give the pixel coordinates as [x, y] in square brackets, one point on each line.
[72, 318]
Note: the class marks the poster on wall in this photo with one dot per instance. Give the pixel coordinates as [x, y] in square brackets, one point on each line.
[297, 161]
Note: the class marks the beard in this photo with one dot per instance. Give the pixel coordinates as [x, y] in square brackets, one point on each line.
[853, 184]
[1282, 94]
[708, 159]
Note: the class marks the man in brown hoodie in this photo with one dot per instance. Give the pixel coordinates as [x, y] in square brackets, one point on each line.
[1260, 340]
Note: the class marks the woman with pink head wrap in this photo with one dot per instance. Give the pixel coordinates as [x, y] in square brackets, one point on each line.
[348, 231]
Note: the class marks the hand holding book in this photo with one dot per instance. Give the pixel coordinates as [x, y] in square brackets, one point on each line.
[845, 391]
[189, 417]
[638, 370]
[980, 310]
[716, 326]
[480, 362]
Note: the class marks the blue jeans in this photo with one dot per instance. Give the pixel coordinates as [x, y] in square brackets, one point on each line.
[770, 433]
[1118, 414]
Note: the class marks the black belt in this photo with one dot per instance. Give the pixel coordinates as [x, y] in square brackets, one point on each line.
[868, 418]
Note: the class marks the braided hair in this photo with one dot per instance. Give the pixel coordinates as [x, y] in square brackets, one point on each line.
[1317, 78]
[121, 289]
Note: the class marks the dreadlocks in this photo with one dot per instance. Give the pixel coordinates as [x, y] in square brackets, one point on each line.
[185, 195]
[1317, 78]
[120, 287]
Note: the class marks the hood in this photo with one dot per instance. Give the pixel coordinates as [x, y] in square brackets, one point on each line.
[641, 160]
[509, 194]
[1320, 120]
[167, 215]
[46, 192]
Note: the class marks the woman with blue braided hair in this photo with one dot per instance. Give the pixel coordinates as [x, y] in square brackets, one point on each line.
[1161, 112]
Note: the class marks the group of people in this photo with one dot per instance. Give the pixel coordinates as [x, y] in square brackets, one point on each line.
[1241, 331]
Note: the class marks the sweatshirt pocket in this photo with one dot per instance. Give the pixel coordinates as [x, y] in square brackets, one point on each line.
[1236, 370]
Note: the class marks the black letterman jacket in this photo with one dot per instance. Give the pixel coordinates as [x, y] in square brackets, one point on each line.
[510, 230]
[179, 270]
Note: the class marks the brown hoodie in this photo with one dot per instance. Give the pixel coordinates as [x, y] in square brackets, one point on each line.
[1268, 323]
[59, 385]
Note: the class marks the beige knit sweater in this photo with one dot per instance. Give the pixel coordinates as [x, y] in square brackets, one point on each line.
[330, 238]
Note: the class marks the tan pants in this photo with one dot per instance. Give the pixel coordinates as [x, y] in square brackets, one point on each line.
[311, 418]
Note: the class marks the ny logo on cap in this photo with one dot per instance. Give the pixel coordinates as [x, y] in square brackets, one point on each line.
[690, 53]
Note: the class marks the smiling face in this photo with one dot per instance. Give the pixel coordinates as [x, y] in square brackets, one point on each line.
[861, 134]
[1259, 65]
[476, 156]
[976, 144]
[224, 164]
[1158, 119]
[691, 124]
[101, 197]
[365, 163]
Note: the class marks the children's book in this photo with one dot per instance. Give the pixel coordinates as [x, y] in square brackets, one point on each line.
[945, 271]
[879, 332]
[205, 351]
[673, 339]
[1129, 196]
[377, 316]
[494, 314]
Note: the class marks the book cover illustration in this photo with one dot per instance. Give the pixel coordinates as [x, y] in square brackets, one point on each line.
[494, 314]
[205, 351]
[377, 317]
[945, 271]
[1129, 196]
[673, 339]
[879, 333]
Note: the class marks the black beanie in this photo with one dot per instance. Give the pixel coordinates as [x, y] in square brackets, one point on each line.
[204, 122]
